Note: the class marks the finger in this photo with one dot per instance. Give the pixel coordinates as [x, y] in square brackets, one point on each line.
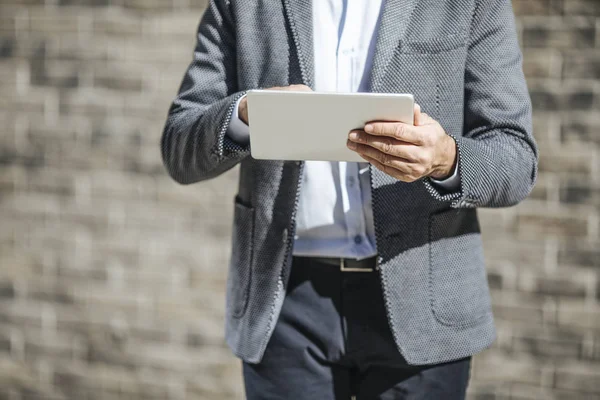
[417, 112]
[383, 158]
[295, 88]
[300, 88]
[396, 130]
[389, 170]
[384, 168]
[426, 119]
[387, 145]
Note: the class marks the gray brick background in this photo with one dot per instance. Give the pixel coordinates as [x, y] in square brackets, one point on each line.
[112, 276]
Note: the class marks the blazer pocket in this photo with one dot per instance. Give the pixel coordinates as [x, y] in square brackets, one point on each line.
[458, 282]
[434, 45]
[240, 265]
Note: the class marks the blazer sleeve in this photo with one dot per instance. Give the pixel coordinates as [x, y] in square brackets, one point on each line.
[497, 153]
[194, 143]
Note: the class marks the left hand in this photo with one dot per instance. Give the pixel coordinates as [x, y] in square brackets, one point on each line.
[406, 152]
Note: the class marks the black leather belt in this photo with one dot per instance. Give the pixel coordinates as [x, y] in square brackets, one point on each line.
[349, 264]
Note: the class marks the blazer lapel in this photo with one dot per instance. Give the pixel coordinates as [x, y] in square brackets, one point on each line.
[394, 22]
[299, 19]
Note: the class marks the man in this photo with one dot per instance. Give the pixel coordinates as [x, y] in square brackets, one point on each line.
[360, 280]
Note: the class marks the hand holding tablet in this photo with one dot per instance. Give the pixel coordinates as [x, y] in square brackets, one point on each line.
[387, 130]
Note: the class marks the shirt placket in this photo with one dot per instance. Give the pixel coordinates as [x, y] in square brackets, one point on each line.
[349, 173]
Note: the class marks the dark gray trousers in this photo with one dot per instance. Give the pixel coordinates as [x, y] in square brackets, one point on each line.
[332, 341]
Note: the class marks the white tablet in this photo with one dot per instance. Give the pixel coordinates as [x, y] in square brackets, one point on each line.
[288, 125]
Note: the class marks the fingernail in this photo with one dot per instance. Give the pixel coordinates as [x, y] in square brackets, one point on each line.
[353, 135]
[368, 128]
[351, 145]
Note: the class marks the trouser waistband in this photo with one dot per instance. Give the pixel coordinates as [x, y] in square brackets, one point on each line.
[347, 264]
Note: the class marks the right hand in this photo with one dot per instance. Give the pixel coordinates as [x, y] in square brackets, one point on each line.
[243, 108]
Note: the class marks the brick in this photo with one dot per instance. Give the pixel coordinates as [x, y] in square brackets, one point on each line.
[582, 7]
[574, 314]
[7, 290]
[483, 392]
[582, 65]
[573, 394]
[537, 7]
[545, 189]
[580, 377]
[529, 392]
[582, 130]
[568, 161]
[558, 223]
[7, 47]
[95, 49]
[576, 32]
[86, 3]
[7, 22]
[581, 253]
[44, 20]
[517, 306]
[596, 351]
[547, 342]
[117, 78]
[502, 368]
[546, 129]
[118, 22]
[148, 5]
[576, 284]
[197, 4]
[563, 98]
[501, 247]
[579, 192]
[542, 63]
[178, 25]
[57, 74]
[52, 181]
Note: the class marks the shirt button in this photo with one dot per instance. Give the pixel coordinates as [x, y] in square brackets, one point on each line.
[358, 239]
[285, 236]
[351, 181]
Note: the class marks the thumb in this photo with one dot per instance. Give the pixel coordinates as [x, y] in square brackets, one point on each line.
[418, 119]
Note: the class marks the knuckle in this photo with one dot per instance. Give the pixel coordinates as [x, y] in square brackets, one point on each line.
[417, 157]
[399, 131]
[425, 159]
[418, 170]
[430, 139]
[412, 169]
[387, 146]
[404, 178]
[384, 159]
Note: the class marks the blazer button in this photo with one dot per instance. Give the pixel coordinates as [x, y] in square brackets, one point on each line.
[284, 237]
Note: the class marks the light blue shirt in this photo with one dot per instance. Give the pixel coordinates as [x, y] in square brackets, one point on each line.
[335, 216]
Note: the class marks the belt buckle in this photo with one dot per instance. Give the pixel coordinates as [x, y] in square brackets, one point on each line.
[343, 267]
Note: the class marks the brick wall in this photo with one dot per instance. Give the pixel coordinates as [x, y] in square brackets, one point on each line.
[112, 275]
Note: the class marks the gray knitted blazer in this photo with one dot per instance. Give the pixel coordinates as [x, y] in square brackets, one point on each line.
[461, 60]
